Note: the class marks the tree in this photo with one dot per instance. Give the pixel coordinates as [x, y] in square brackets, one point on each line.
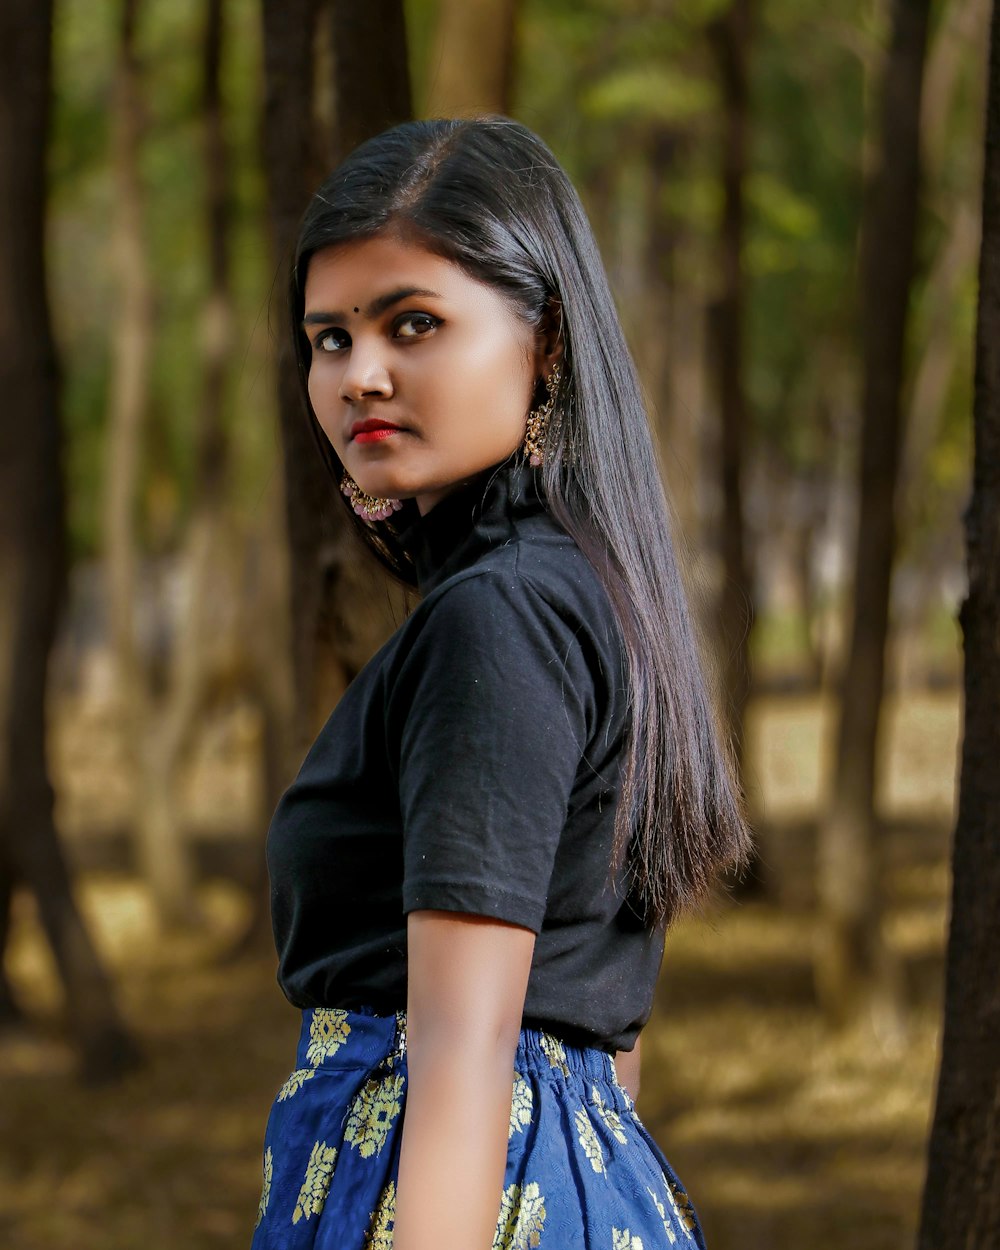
[853, 971]
[730, 36]
[149, 737]
[367, 103]
[961, 1202]
[231, 638]
[474, 57]
[337, 618]
[928, 546]
[33, 547]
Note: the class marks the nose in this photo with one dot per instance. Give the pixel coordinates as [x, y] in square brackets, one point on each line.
[365, 376]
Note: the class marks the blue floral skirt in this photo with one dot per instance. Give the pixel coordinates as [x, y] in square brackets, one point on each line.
[583, 1173]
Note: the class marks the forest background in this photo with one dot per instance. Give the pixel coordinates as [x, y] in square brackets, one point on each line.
[800, 295]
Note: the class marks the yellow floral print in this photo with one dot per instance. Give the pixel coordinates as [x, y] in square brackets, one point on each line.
[522, 1215]
[295, 1083]
[328, 1031]
[520, 1105]
[587, 1134]
[681, 1204]
[316, 1185]
[265, 1193]
[663, 1216]
[372, 1113]
[555, 1052]
[622, 1239]
[383, 1221]
[611, 1118]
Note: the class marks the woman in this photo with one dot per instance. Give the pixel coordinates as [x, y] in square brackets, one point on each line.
[473, 872]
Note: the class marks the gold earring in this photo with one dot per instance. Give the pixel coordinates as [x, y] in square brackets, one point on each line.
[369, 507]
[538, 420]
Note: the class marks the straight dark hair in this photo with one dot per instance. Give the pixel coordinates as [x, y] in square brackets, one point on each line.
[488, 195]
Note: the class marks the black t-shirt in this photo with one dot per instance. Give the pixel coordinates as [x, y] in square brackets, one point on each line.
[473, 765]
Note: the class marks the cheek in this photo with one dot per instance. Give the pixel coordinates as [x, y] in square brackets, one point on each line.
[314, 385]
[495, 382]
[324, 395]
[323, 389]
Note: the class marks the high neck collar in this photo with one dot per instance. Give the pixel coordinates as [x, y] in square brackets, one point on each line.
[472, 517]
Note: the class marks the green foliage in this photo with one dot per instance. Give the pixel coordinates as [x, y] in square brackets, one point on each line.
[804, 205]
[627, 93]
[421, 24]
[82, 214]
[651, 92]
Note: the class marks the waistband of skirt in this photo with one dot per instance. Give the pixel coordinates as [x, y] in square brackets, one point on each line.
[358, 1037]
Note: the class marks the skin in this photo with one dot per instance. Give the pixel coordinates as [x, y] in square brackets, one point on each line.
[627, 1064]
[456, 369]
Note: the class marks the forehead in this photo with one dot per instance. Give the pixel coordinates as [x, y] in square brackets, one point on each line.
[367, 266]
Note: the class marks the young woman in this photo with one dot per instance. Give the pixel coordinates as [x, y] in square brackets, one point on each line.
[474, 869]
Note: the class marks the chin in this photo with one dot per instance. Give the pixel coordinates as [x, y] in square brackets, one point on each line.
[394, 482]
[384, 485]
[389, 481]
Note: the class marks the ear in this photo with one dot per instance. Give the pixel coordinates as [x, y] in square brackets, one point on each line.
[549, 338]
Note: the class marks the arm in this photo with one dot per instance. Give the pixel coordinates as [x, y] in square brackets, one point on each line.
[466, 981]
[627, 1066]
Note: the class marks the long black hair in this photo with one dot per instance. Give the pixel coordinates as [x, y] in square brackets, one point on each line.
[488, 195]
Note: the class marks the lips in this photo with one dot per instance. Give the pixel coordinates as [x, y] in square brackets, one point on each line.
[373, 426]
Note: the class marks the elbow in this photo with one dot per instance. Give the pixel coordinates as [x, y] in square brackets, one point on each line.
[466, 982]
[488, 1045]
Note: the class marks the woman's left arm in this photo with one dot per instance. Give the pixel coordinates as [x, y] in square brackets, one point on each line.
[466, 981]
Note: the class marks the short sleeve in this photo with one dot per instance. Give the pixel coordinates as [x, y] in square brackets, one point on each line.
[491, 707]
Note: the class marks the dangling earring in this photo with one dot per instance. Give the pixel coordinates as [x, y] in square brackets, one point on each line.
[369, 507]
[538, 420]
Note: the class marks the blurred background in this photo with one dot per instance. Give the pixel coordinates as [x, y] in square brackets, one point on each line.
[787, 195]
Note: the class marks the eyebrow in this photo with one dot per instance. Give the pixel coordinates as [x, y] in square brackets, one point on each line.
[377, 306]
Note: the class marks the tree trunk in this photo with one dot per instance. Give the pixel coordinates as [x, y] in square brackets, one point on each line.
[964, 26]
[33, 545]
[360, 604]
[365, 103]
[293, 170]
[206, 629]
[233, 639]
[10, 1011]
[854, 974]
[812, 490]
[162, 856]
[339, 609]
[212, 464]
[660, 355]
[941, 349]
[474, 58]
[730, 36]
[961, 1202]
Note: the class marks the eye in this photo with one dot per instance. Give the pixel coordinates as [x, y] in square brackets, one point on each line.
[337, 338]
[415, 325]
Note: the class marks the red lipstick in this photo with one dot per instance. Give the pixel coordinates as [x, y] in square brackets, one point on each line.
[372, 430]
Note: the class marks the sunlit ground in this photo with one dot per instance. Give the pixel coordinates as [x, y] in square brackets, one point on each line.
[786, 1136]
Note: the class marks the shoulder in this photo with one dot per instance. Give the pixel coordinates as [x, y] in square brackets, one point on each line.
[539, 573]
[493, 607]
[528, 621]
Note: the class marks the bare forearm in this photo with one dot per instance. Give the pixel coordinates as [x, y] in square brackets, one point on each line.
[466, 981]
[454, 1148]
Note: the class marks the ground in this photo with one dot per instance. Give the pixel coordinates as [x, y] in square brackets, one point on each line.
[787, 1136]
